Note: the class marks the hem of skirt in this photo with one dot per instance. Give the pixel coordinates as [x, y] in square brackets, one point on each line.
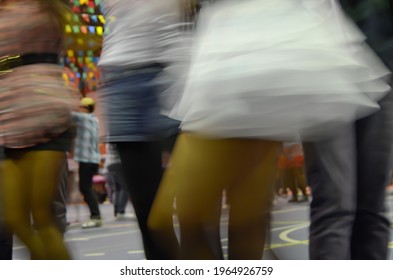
[131, 138]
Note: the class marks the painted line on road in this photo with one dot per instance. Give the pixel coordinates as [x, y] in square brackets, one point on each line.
[282, 245]
[289, 210]
[94, 255]
[289, 222]
[109, 234]
[77, 239]
[275, 229]
[284, 235]
[134, 252]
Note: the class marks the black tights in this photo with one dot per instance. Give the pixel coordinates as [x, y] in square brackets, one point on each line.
[142, 167]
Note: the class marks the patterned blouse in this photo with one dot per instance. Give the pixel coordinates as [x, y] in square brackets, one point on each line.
[35, 101]
[26, 28]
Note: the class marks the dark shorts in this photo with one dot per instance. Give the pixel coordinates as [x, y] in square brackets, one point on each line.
[61, 143]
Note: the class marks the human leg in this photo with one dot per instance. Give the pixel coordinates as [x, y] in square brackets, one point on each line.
[291, 183]
[86, 173]
[198, 195]
[201, 168]
[121, 194]
[331, 173]
[29, 182]
[142, 166]
[371, 231]
[6, 236]
[47, 169]
[16, 204]
[6, 242]
[301, 184]
[250, 206]
[60, 201]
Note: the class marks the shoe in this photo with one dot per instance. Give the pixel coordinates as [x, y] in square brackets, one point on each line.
[93, 223]
[123, 216]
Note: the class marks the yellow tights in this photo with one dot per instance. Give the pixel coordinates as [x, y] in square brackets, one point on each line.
[201, 168]
[29, 179]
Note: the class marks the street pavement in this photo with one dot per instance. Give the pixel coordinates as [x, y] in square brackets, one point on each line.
[121, 240]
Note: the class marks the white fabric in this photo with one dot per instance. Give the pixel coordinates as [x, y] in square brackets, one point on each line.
[138, 32]
[279, 69]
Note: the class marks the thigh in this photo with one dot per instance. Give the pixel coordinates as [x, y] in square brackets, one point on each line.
[119, 177]
[203, 167]
[45, 171]
[86, 173]
[375, 155]
[82, 171]
[141, 162]
[375, 139]
[253, 196]
[198, 176]
[331, 173]
[16, 194]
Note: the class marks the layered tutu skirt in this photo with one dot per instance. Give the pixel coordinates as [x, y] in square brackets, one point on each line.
[278, 69]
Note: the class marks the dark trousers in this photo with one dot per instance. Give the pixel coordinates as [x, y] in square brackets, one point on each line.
[5, 243]
[348, 176]
[86, 173]
[119, 187]
[142, 167]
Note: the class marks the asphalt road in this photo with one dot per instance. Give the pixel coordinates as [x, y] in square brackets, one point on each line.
[121, 240]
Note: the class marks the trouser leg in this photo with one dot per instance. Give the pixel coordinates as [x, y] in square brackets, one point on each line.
[331, 173]
[371, 231]
[86, 173]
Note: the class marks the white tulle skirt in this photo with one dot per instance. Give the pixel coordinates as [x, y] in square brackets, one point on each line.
[278, 69]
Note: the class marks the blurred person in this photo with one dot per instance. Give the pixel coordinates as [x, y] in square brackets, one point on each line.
[282, 174]
[137, 42]
[86, 153]
[35, 120]
[60, 201]
[297, 180]
[348, 174]
[116, 181]
[235, 110]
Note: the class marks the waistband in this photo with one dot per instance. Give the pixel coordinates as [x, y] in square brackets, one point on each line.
[10, 62]
[116, 72]
[132, 68]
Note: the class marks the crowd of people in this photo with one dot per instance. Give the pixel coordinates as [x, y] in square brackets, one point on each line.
[251, 98]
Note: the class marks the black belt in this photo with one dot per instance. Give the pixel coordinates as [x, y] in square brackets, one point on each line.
[28, 59]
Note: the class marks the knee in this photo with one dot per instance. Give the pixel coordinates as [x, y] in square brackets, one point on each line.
[11, 219]
[42, 218]
[16, 220]
[156, 226]
[160, 226]
[86, 191]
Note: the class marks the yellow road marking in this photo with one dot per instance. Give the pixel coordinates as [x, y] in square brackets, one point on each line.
[284, 235]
